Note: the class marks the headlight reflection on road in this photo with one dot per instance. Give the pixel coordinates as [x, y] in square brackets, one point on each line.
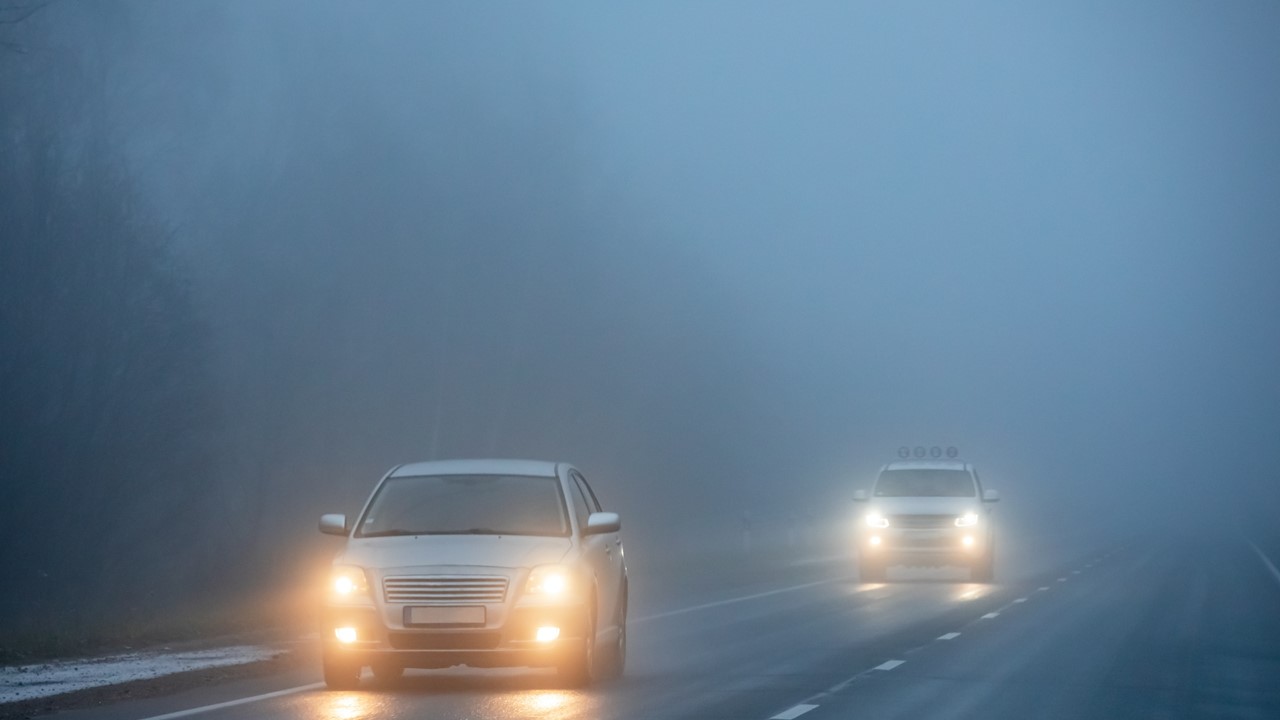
[545, 701]
[347, 706]
[970, 591]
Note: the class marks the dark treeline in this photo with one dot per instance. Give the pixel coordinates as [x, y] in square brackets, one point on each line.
[203, 353]
[107, 472]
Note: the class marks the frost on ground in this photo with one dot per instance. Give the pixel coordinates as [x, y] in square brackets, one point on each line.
[26, 682]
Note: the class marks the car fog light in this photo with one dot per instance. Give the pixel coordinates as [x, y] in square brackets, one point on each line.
[345, 634]
[968, 541]
[548, 633]
[875, 540]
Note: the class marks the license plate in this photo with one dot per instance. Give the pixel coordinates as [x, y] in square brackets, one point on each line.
[449, 615]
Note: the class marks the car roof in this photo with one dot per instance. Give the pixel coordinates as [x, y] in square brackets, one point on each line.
[537, 468]
[927, 465]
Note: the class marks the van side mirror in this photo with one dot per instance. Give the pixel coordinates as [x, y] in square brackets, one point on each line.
[334, 524]
[859, 495]
[990, 496]
[602, 522]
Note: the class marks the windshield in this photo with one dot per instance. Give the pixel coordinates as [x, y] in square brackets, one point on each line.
[466, 505]
[925, 483]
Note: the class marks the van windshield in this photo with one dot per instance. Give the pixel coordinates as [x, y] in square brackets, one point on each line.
[925, 483]
[466, 505]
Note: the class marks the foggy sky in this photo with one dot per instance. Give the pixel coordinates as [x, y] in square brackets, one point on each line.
[728, 252]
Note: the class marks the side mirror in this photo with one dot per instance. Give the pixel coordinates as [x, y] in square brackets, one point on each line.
[334, 524]
[859, 495]
[601, 523]
[990, 496]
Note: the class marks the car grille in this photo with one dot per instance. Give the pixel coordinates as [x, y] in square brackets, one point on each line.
[922, 522]
[927, 543]
[445, 589]
[444, 640]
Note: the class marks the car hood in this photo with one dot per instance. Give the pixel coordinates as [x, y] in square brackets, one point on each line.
[503, 551]
[925, 505]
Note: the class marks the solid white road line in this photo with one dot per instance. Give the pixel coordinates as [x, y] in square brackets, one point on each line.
[888, 665]
[730, 601]
[1266, 561]
[949, 636]
[793, 712]
[233, 703]
[990, 615]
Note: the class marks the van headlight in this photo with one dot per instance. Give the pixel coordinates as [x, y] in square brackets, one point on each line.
[876, 520]
[968, 519]
[348, 582]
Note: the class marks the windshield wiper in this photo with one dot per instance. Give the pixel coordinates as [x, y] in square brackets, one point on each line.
[389, 533]
[401, 531]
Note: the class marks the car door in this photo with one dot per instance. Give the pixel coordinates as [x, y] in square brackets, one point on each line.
[604, 553]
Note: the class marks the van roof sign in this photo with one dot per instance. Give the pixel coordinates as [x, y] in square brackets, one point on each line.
[906, 452]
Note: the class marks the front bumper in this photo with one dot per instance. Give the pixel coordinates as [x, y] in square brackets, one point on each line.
[924, 547]
[509, 641]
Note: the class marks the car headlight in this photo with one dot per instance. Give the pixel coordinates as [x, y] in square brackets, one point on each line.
[549, 581]
[876, 520]
[348, 582]
[968, 519]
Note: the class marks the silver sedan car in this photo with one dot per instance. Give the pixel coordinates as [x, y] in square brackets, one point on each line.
[485, 563]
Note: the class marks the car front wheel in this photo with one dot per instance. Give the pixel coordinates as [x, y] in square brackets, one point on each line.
[578, 667]
[387, 672]
[340, 673]
[615, 658]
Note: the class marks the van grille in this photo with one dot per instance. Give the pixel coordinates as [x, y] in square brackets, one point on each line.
[922, 522]
[445, 589]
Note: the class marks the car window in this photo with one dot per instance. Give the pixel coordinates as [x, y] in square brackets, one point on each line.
[466, 505]
[586, 489]
[925, 483]
[581, 506]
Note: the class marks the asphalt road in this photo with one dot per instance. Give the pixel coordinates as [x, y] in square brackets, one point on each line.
[1148, 628]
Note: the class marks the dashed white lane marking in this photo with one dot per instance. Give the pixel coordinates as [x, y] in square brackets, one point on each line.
[793, 712]
[1266, 561]
[1075, 572]
[233, 703]
[1042, 589]
[887, 665]
[730, 601]
[1062, 579]
[1020, 600]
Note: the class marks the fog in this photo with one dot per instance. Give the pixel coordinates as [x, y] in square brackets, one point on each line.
[724, 257]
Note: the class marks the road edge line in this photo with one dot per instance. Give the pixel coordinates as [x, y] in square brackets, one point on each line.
[238, 701]
[1266, 561]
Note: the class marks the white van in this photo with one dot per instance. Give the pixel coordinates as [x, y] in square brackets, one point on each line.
[927, 513]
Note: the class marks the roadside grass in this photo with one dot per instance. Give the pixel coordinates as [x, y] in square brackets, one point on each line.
[207, 623]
